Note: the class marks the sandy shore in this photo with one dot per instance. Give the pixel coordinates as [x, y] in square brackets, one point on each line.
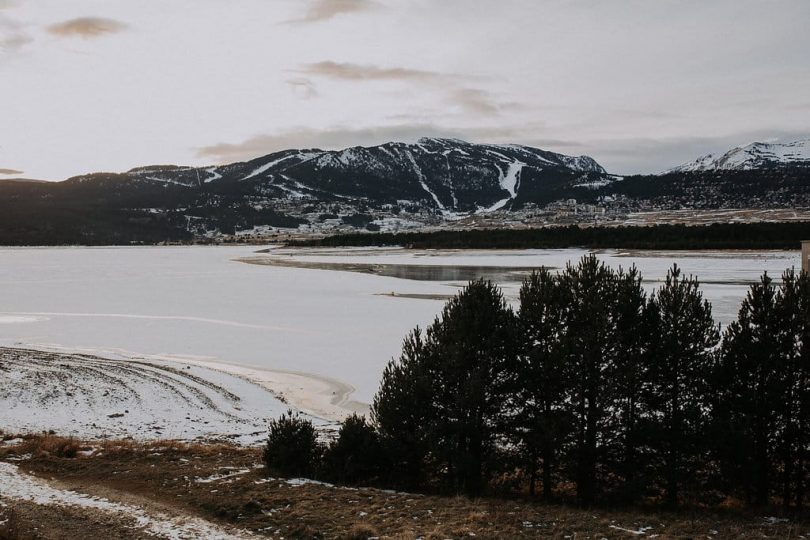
[315, 395]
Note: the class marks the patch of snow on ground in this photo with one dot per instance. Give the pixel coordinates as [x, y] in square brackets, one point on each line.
[89, 397]
[221, 476]
[259, 170]
[641, 531]
[509, 182]
[214, 174]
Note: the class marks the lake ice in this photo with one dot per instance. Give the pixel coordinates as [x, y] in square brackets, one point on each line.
[200, 303]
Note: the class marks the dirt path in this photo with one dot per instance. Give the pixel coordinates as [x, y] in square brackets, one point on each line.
[69, 513]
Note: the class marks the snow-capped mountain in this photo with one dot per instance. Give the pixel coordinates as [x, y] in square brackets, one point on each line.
[753, 156]
[447, 175]
[393, 186]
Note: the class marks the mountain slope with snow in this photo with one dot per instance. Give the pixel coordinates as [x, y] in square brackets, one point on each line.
[753, 156]
[447, 176]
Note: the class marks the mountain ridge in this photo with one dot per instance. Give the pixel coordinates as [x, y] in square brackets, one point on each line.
[756, 155]
[432, 183]
[451, 175]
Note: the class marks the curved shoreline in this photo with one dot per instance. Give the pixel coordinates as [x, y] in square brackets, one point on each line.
[316, 395]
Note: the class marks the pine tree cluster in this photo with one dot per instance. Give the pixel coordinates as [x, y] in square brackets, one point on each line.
[594, 391]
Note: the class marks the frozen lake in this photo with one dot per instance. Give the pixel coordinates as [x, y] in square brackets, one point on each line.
[341, 317]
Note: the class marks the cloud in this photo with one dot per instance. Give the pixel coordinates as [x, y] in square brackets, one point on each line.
[10, 171]
[303, 87]
[475, 101]
[469, 100]
[12, 35]
[342, 137]
[480, 102]
[359, 72]
[87, 27]
[323, 10]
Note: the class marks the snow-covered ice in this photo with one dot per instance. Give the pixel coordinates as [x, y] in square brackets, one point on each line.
[90, 397]
[320, 338]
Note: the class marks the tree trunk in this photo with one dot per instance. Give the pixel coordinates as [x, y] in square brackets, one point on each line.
[761, 469]
[673, 453]
[547, 472]
[630, 453]
[787, 472]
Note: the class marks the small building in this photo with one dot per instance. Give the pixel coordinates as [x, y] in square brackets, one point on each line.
[805, 255]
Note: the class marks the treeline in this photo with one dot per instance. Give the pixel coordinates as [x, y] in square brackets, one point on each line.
[714, 236]
[591, 391]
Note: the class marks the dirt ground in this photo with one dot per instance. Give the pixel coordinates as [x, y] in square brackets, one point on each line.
[227, 487]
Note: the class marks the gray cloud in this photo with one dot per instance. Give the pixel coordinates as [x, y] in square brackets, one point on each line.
[10, 171]
[303, 87]
[358, 72]
[480, 102]
[469, 100]
[87, 27]
[12, 35]
[323, 10]
[475, 101]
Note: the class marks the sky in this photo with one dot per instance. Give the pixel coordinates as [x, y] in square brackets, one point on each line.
[639, 85]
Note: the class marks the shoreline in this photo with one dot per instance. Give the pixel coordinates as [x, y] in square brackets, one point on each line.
[319, 396]
[316, 395]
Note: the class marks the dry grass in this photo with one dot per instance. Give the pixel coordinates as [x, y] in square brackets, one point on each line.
[9, 523]
[361, 531]
[228, 484]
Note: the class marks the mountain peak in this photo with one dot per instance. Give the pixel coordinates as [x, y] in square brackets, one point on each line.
[757, 155]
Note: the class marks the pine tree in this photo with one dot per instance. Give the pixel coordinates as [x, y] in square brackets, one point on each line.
[793, 313]
[356, 455]
[472, 348]
[753, 361]
[684, 337]
[442, 405]
[292, 447]
[588, 349]
[401, 411]
[631, 317]
[543, 423]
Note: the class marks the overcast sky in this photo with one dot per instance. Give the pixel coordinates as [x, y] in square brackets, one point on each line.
[640, 85]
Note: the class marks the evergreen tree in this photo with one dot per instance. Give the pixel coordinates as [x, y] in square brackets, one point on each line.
[753, 362]
[472, 347]
[631, 316]
[542, 423]
[403, 409]
[793, 312]
[356, 455]
[681, 361]
[588, 348]
[292, 447]
[444, 402]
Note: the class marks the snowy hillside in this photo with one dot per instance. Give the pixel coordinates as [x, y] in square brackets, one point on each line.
[753, 156]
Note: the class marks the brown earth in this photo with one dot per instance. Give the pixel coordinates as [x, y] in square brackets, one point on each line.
[226, 485]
